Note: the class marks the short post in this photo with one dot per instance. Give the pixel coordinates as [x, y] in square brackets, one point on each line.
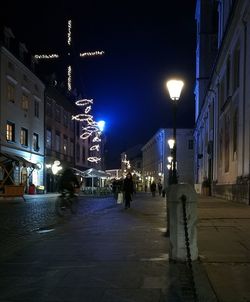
[178, 249]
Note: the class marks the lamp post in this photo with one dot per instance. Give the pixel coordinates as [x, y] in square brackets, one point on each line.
[174, 88]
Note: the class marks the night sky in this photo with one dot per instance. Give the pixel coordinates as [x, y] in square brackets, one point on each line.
[145, 43]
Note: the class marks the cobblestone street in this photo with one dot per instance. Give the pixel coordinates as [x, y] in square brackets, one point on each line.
[21, 220]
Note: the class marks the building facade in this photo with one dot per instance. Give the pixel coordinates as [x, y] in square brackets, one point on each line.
[155, 155]
[21, 113]
[222, 134]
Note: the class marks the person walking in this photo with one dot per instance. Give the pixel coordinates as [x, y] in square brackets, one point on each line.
[153, 188]
[159, 188]
[128, 189]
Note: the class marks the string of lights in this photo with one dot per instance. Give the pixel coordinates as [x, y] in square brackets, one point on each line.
[90, 129]
[69, 43]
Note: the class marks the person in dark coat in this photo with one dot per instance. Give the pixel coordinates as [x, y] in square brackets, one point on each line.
[153, 188]
[128, 189]
[68, 181]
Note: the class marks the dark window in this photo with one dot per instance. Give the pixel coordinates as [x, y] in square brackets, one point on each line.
[190, 144]
[36, 108]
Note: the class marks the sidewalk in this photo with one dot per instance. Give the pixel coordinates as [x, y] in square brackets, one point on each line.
[118, 255]
[224, 247]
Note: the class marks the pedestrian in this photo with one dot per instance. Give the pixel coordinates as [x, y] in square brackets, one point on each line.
[159, 188]
[128, 189]
[153, 188]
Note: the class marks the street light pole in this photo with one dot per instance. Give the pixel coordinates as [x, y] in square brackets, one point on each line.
[174, 172]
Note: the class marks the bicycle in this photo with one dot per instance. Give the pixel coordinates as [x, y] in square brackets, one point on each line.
[66, 203]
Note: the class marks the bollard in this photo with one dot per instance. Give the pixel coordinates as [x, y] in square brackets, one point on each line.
[177, 238]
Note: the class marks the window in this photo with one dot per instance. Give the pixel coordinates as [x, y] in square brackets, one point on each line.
[235, 133]
[24, 137]
[35, 142]
[221, 94]
[58, 141]
[11, 92]
[71, 151]
[83, 154]
[49, 109]
[236, 69]
[25, 102]
[190, 144]
[10, 132]
[11, 66]
[65, 144]
[77, 152]
[36, 109]
[65, 119]
[48, 138]
[228, 76]
[226, 141]
[77, 130]
[58, 113]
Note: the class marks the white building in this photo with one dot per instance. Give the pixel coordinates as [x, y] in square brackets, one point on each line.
[222, 133]
[155, 155]
[21, 114]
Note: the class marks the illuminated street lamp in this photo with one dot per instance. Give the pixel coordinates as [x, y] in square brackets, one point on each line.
[174, 88]
[101, 125]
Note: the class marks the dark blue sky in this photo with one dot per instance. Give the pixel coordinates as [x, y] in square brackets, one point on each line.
[144, 44]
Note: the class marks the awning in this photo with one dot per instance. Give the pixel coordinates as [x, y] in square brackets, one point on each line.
[6, 157]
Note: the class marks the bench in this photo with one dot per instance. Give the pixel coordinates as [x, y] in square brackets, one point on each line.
[13, 191]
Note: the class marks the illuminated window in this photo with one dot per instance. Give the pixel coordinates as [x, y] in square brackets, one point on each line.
[24, 137]
[10, 132]
[25, 102]
[35, 142]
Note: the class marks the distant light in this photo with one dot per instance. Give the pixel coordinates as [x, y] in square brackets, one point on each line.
[101, 125]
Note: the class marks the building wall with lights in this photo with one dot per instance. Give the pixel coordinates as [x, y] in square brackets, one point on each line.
[222, 139]
[155, 155]
[22, 112]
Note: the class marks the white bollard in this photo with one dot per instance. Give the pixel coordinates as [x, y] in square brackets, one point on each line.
[178, 249]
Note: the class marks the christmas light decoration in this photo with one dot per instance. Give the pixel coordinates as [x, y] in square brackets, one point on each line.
[69, 32]
[69, 43]
[94, 53]
[69, 77]
[52, 56]
[91, 128]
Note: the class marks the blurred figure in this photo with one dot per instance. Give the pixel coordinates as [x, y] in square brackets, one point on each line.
[159, 188]
[128, 189]
[68, 181]
[153, 188]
